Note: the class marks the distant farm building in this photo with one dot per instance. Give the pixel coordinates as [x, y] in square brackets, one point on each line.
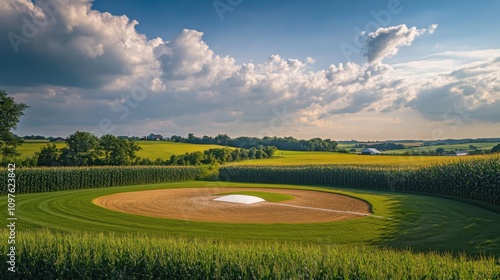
[370, 151]
[456, 153]
[58, 139]
[155, 137]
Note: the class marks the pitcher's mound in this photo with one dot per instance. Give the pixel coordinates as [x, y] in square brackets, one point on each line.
[201, 204]
[239, 198]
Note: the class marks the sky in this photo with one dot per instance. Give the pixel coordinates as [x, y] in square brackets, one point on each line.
[364, 70]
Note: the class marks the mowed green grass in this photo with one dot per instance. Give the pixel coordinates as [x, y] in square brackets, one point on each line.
[287, 158]
[150, 149]
[267, 196]
[419, 222]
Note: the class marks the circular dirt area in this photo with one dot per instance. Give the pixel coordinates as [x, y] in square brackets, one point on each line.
[197, 204]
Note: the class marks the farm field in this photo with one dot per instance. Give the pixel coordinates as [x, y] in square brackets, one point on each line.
[290, 158]
[164, 149]
[434, 236]
[462, 147]
[65, 234]
[29, 148]
[417, 146]
[150, 149]
[140, 256]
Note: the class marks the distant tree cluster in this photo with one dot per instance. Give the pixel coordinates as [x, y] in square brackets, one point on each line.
[85, 149]
[496, 149]
[222, 155]
[386, 146]
[285, 143]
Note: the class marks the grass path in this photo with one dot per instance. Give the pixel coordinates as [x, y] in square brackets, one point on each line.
[419, 222]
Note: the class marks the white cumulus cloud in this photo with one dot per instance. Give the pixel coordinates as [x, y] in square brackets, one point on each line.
[386, 41]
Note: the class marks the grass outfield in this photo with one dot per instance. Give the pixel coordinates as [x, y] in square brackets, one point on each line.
[314, 158]
[419, 222]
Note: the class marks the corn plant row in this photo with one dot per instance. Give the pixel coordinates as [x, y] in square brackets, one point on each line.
[477, 179]
[34, 180]
[46, 255]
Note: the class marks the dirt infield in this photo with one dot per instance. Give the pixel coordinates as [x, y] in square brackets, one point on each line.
[197, 204]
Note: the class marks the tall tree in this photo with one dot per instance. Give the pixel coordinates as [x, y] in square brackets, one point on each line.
[118, 151]
[108, 143]
[48, 156]
[82, 149]
[10, 113]
[496, 149]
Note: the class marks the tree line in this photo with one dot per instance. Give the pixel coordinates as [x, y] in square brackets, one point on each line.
[282, 143]
[86, 149]
[221, 155]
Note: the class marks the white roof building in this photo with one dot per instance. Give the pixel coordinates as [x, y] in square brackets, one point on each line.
[456, 153]
[370, 151]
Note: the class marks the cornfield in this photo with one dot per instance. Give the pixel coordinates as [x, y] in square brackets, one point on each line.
[43, 254]
[477, 179]
[32, 180]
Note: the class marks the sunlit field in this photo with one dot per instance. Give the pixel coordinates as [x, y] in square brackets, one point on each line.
[150, 149]
[284, 158]
[417, 147]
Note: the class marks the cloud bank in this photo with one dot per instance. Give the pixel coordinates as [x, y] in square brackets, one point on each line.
[82, 66]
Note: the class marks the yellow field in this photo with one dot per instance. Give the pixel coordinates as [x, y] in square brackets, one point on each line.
[29, 148]
[284, 158]
[163, 149]
[150, 149]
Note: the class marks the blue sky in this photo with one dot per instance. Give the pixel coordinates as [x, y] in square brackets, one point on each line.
[362, 70]
[254, 30]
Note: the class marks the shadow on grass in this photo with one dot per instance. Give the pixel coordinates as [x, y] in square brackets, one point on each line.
[429, 223]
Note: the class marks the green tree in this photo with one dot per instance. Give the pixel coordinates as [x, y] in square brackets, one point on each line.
[118, 151]
[194, 158]
[48, 156]
[496, 149]
[108, 143]
[10, 113]
[131, 147]
[82, 149]
[440, 151]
